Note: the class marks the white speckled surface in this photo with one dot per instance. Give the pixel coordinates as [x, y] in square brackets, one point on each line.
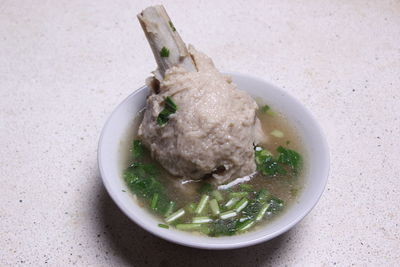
[64, 66]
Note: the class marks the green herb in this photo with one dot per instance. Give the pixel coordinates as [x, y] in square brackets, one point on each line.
[202, 219]
[266, 164]
[138, 149]
[142, 181]
[170, 209]
[217, 194]
[188, 226]
[241, 204]
[223, 227]
[231, 202]
[214, 207]
[169, 108]
[265, 108]
[255, 208]
[154, 201]
[276, 133]
[261, 154]
[172, 26]
[262, 195]
[163, 225]
[252, 209]
[202, 204]
[244, 225]
[204, 229]
[275, 205]
[290, 158]
[228, 214]
[164, 52]
[262, 211]
[174, 216]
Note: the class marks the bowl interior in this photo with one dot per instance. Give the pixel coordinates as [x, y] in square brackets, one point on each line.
[317, 167]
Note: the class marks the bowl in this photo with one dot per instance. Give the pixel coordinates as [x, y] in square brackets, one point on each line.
[317, 167]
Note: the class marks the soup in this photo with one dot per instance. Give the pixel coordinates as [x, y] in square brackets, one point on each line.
[236, 207]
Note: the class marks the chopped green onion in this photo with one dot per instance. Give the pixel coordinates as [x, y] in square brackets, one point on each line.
[217, 195]
[191, 207]
[267, 110]
[179, 213]
[203, 219]
[204, 229]
[238, 194]
[262, 211]
[188, 226]
[170, 209]
[241, 204]
[141, 180]
[245, 225]
[163, 226]
[214, 206]
[277, 133]
[202, 204]
[164, 52]
[227, 214]
[232, 202]
[154, 201]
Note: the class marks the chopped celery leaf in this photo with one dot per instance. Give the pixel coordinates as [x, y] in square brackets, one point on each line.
[276, 205]
[169, 108]
[141, 180]
[290, 158]
[138, 149]
[223, 227]
[268, 165]
[161, 225]
[172, 26]
[265, 108]
[164, 52]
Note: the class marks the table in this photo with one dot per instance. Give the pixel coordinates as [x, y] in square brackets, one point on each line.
[64, 66]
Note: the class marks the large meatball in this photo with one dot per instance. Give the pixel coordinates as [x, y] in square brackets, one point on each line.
[213, 130]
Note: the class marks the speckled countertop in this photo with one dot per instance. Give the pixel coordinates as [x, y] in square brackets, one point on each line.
[64, 66]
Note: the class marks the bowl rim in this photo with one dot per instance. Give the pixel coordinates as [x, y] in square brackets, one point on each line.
[207, 245]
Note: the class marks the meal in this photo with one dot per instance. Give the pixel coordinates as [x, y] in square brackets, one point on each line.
[207, 157]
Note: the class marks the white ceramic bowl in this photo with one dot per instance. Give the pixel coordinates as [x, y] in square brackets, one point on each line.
[317, 162]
